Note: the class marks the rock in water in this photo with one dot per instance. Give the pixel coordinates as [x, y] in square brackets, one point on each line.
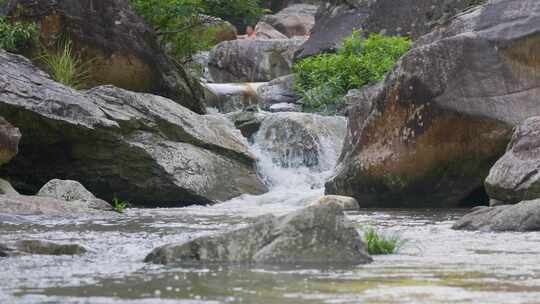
[524, 216]
[294, 20]
[69, 191]
[41, 248]
[48, 206]
[122, 49]
[252, 60]
[515, 176]
[337, 20]
[314, 235]
[146, 149]
[9, 141]
[277, 91]
[442, 117]
[344, 202]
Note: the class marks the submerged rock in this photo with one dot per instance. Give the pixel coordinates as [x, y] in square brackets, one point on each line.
[524, 216]
[69, 191]
[314, 235]
[9, 141]
[337, 20]
[344, 202]
[294, 20]
[41, 248]
[122, 49]
[515, 176]
[145, 149]
[48, 206]
[442, 117]
[252, 60]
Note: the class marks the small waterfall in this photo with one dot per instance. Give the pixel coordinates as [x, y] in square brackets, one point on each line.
[296, 154]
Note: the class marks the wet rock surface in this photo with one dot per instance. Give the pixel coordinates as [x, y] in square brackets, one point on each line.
[444, 114]
[314, 235]
[344, 202]
[524, 216]
[515, 176]
[25, 247]
[47, 206]
[145, 149]
[9, 141]
[279, 90]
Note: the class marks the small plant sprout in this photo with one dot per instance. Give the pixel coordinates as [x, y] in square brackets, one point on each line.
[378, 243]
[119, 205]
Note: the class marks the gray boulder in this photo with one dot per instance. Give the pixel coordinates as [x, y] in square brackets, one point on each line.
[232, 97]
[264, 30]
[48, 206]
[515, 176]
[252, 60]
[41, 248]
[7, 189]
[337, 19]
[302, 139]
[314, 235]
[344, 202]
[524, 216]
[428, 134]
[294, 20]
[69, 190]
[279, 90]
[248, 122]
[9, 141]
[145, 149]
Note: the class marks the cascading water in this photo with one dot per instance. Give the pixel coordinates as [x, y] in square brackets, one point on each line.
[296, 153]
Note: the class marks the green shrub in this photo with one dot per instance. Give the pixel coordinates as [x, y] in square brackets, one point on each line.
[66, 67]
[324, 79]
[119, 205]
[240, 13]
[16, 35]
[378, 243]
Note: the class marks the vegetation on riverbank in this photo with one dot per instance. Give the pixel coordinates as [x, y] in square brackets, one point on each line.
[378, 243]
[323, 80]
[16, 35]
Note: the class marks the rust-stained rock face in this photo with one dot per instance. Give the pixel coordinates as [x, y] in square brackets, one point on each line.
[9, 141]
[429, 133]
[119, 47]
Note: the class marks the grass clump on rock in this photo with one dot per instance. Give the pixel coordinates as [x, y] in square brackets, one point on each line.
[377, 243]
[65, 66]
[323, 80]
[119, 205]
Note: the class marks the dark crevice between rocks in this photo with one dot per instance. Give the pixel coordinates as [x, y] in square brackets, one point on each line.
[478, 197]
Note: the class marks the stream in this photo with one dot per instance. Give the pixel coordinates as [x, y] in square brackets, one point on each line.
[436, 265]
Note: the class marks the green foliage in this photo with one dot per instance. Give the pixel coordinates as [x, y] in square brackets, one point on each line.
[16, 35]
[240, 13]
[66, 67]
[178, 23]
[119, 205]
[324, 79]
[380, 244]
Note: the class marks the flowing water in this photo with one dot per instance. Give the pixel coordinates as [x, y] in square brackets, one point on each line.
[437, 264]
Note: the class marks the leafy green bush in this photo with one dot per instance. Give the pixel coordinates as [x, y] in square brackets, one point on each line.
[240, 13]
[16, 35]
[324, 79]
[66, 67]
[380, 244]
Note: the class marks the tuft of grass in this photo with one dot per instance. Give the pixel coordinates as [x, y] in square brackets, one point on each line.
[119, 205]
[66, 67]
[377, 243]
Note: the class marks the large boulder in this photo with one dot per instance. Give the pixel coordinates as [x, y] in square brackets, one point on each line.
[515, 176]
[252, 60]
[295, 20]
[429, 133]
[140, 147]
[48, 206]
[302, 139]
[231, 97]
[337, 19]
[314, 235]
[524, 216]
[121, 48]
[9, 141]
[264, 30]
